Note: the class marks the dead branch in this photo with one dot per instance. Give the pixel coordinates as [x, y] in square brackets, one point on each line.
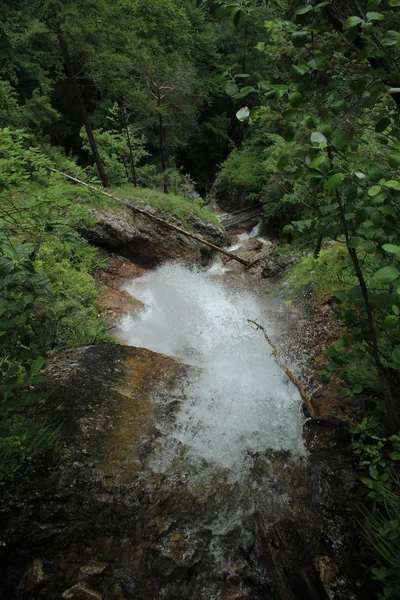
[154, 218]
[293, 378]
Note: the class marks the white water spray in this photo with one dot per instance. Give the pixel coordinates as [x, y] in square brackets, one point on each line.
[241, 402]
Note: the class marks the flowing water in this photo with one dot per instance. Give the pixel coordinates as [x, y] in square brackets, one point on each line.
[234, 444]
[241, 402]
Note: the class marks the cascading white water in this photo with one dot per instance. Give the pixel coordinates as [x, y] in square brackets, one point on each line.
[241, 402]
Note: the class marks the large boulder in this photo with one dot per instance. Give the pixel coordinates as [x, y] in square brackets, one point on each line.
[147, 241]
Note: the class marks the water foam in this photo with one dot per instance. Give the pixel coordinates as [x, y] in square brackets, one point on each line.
[240, 403]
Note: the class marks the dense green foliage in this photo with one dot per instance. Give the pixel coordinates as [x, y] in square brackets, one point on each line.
[295, 105]
[330, 90]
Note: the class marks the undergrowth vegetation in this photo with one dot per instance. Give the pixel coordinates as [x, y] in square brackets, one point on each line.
[48, 297]
[178, 206]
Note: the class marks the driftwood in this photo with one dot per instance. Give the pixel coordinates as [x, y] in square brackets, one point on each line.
[293, 378]
[155, 218]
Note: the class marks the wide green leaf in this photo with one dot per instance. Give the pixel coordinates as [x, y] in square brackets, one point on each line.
[231, 88]
[390, 38]
[394, 160]
[391, 248]
[387, 275]
[351, 22]
[334, 182]
[295, 99]
[289, 131]
[243, 114]
[302, 10]
[382, 124]
[299, 38]
[318, 138]
[375, 16]
[340, 139]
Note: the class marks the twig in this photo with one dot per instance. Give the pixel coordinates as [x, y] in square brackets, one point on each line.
[293, 378]
[154, 218]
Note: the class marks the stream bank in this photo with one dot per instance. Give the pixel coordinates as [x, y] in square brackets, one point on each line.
[109, 523]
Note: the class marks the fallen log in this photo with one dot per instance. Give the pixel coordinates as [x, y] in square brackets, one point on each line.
[292, 377]
[154, 218]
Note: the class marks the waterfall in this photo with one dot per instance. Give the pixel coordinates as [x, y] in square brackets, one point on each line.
[240, 402]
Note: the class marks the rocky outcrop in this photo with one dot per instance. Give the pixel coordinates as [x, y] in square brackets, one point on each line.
[81, 531]
[147, 241]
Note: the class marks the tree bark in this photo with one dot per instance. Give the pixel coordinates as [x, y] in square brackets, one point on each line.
[132, 160]
[81, 104]
[163, 155]
[318, 245]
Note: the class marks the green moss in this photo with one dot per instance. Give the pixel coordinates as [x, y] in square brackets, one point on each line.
[177, 206]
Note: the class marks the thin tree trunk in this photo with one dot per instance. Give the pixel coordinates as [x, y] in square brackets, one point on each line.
[391, 403]
[132, 160]
[82, 107]
[163, 156]
[318, 245]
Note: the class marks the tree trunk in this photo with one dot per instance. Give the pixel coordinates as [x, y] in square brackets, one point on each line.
[82, 107]
[132, 160]
[318, 245]
[163, 155]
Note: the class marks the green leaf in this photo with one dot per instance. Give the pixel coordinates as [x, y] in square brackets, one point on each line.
[390, 322]
[340, 139]
[319, 63]
[369, 247]
[295, 99]
[243, 114]
[387, 275]
[339, 344]
[37, 365]
[356, 242]
[382, 124]
[391, 248]
[351, 22]
[375, 16]
[244, 92]
[297, 71]
[299, 38]
[231, 88]
[396, 355]
[318, 138]
[395, 455]
[334, 182]
[318, 161]
[374, 190]
[289, 131]
[283, 161]
[394, 160]
[393, 184]
[394, 3]
[302, 10]
[390, 38]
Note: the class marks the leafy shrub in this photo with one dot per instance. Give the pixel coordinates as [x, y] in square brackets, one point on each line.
[327, 274]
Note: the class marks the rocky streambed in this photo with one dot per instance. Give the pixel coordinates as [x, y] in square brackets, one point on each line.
[170, 456]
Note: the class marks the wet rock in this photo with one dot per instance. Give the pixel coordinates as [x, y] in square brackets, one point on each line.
[140, 238]
[276, 265]
[328, 571]
[118, 303]
[33, 577]
[250, 245]
[236, 595]
[91, 569]
[81, 591]
[116, 592]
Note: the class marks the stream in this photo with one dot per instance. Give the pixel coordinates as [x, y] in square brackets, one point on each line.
[233, 443]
